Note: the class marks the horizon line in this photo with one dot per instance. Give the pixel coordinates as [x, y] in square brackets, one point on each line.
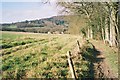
[30, 19]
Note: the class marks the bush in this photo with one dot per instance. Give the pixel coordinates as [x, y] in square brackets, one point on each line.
[5, 67]
[64, 72]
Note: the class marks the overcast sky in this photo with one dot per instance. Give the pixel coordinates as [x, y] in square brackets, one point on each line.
[20, 11]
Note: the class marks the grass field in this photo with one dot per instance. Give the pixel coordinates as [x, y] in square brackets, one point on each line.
[35, 55]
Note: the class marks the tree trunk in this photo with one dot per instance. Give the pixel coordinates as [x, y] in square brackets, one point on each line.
[106, 30]
[102, 29]
[103, 34]
[88, 32]
[91, 33]
[112, 28]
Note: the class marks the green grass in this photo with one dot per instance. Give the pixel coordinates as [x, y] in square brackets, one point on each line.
[41, 55]
[112, 58]
[33, 55]
[8, 35]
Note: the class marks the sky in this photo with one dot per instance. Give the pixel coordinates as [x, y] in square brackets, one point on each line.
[20, 11]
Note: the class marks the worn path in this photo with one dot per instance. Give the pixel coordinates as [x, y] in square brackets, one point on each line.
[102, 68]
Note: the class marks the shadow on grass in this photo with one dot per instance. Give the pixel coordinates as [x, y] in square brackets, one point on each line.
[90, 53]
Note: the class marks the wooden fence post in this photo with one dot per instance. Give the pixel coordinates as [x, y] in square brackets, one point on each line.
[71, 65]
[78, 45]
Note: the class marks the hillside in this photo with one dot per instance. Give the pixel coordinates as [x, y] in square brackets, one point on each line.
[45, 25]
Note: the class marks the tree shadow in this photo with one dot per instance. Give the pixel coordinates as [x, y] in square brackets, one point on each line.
[91, 55]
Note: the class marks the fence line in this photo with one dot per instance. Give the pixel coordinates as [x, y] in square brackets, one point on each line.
[70, 62]
[71, 65]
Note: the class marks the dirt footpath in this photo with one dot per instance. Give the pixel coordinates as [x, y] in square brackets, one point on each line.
[102, 69]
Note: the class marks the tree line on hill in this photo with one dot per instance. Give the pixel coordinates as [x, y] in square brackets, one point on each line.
[56, 23]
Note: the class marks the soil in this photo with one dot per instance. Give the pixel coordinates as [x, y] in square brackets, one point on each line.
[102, 69]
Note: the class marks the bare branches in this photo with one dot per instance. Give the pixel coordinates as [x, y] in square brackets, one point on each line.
[46, 1]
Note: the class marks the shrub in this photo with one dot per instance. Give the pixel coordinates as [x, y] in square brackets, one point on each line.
[64, 72]
[5, 67]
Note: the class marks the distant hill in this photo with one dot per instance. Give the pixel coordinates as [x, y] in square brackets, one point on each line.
[45, 25]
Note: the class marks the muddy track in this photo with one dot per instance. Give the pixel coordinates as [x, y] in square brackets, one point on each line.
[101, 68]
